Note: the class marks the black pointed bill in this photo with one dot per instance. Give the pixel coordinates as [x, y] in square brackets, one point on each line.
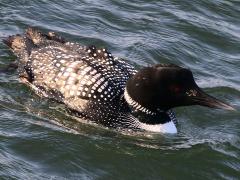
[203, 99]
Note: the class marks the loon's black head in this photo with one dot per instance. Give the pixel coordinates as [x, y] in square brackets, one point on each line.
[165, 86]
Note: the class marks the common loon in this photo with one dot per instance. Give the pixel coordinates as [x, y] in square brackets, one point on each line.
[102, 88]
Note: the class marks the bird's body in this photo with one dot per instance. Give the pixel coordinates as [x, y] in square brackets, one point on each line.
[92, 82]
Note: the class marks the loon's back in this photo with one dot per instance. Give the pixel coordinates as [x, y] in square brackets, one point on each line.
[88, 80]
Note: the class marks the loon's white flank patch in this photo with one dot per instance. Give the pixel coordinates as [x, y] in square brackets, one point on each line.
[168, 127]
[135, 104]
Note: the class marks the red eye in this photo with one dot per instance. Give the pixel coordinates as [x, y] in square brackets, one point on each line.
[175, 88]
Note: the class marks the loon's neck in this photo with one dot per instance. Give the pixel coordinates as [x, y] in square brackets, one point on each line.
[148, 118]
[135, 105]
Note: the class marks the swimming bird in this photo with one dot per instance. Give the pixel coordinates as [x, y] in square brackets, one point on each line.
[99, 87]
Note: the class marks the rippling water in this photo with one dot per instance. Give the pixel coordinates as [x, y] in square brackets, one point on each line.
[38, 140]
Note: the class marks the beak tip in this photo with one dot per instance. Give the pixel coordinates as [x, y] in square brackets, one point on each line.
[227, 107]
[231, 108]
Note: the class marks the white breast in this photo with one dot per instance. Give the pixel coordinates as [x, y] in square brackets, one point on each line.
[168, 127]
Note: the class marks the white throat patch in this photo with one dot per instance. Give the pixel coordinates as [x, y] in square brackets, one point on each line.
[134, 104]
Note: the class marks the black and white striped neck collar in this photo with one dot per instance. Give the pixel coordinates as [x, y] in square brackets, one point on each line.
[136, 106]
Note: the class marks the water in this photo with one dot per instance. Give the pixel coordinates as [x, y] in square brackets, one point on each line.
[38, 140]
